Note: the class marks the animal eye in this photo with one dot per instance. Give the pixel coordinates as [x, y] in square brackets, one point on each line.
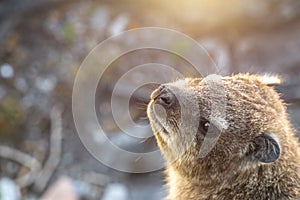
[204, 125]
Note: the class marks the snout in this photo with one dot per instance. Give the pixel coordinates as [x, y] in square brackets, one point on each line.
[163, 96]
[163, 108]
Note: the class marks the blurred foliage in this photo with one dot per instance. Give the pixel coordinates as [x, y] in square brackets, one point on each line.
[68, 32]
[11, 117]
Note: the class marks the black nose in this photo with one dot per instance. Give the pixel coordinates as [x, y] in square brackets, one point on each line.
[163, 96]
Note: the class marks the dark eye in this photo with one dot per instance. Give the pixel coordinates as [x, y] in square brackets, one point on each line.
[204, 126]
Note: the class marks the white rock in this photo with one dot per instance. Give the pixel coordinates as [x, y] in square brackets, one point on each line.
[45, 85]
[115, 191]
[6, 71]
[118, 25]
[9, 190]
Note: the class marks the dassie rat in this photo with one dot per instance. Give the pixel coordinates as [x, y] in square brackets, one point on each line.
[226, 138]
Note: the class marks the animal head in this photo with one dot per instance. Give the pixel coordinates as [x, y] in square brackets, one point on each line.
[218, 122]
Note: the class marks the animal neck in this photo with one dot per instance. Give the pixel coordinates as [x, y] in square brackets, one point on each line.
[182, 187]
[206, 184]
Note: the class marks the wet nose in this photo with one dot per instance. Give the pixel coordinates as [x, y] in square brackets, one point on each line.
[163, 96]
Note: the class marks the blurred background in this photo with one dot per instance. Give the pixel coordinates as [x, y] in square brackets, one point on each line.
[43, 43]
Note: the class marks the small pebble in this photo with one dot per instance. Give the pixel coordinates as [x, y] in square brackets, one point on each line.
[115, 191]
[6, 71]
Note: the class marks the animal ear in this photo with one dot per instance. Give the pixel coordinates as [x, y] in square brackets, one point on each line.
[266, 148]
[271, 80]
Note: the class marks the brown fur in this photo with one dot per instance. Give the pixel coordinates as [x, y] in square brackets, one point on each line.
[230, 170]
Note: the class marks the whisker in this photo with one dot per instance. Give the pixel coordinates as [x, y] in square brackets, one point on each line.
[152, 86]
[143, 118]
[141, 107]
[146, 139]
[144, 109]
[141, 103]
